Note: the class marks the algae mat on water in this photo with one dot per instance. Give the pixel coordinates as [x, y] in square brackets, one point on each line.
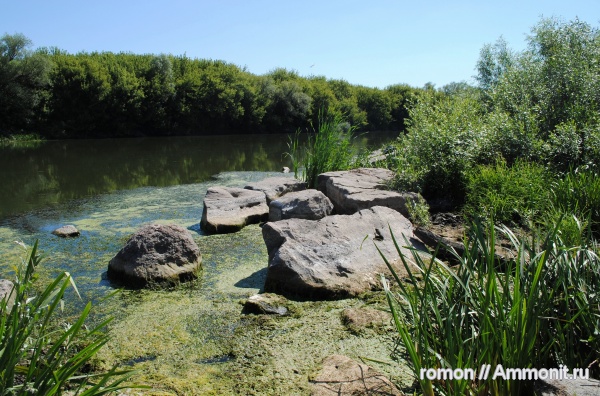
[193, 339]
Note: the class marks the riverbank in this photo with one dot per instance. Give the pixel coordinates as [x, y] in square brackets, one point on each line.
[194, 339]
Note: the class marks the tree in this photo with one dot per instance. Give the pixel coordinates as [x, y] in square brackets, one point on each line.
[23, 75]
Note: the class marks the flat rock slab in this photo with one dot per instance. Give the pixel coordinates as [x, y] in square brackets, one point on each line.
[358, 319]
[341, 375]
[307, 204]
[330, 258]
[275, 187]
[156, 254]
[357, 189]
[67, 231]
[228, 209]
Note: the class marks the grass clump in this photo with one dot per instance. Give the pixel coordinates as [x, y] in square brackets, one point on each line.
[329, 147]
[538, 310]
[40, 356]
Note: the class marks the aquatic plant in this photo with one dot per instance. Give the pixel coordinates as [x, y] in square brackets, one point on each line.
[539, 309]
[40, 354]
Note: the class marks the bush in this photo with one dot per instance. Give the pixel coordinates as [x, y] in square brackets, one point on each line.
[40, 356]
[445, 137]
[538, 310]
[511, 195]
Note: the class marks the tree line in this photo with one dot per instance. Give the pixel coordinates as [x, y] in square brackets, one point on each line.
[102, 94]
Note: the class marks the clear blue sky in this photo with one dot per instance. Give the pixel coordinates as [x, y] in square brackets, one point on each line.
[374, 43]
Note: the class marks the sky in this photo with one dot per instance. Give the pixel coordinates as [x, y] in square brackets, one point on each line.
[374, 43]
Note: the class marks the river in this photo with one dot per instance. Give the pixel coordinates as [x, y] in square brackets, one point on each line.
[183, 341]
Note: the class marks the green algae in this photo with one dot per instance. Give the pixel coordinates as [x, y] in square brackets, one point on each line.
[193, 339]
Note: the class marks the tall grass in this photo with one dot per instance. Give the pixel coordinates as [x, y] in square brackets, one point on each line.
[329, 147]
[40, 356]
[539, 310]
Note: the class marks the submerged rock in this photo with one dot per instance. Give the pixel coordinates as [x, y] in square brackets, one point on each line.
[228, 209]
[341, 375]
[275, 187]
[334, 257]
[357, 189]
[307, 204]
[358, 319]
[267, 303]
[156, 254]
[67, 231]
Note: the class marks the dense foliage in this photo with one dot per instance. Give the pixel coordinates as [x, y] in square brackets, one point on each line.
[540, 106]
[57, 94]
[539, 310]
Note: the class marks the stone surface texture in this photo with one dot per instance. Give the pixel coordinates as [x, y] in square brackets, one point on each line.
[275, 187]
[156, 254]
[6, 293]
[228, 209]
[306, 204]
[334, 257]
[341, 375]
[357, 189]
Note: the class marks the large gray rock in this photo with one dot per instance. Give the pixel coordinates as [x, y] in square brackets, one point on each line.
[357, 189]
[307, 204]
[156, 254]
[330, 258]
[7, 294]
[275, 187]
[340, 375]
[228, 209]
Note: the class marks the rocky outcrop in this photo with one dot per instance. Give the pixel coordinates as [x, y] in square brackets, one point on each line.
[7, 294]
[307, 204]
[334, 257]
[67, 231]
[229, 209]
[265, 304]
[275, 187]
[341, 375]
[156, 254]
[357, 189]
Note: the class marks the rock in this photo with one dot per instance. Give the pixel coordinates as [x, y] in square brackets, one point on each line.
[275, 187]
[341, 375]
[66, 231]
[568, 387]
[357, 189]
[156, 254]
[446, 246]
[285, 169]
[330, 258]
[307, 204]
[7, 294]
[358, 319]
[231, 209]
[267, 303]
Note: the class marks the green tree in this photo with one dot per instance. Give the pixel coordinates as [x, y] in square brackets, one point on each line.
[23, 76]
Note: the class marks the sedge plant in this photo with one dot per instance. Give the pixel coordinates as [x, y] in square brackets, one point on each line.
[40, 356]
[538, 309]
[328, 147]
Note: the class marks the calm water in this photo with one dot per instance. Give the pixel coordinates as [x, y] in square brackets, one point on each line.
[60, 171]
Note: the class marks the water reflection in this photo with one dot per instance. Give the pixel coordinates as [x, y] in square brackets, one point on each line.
[59, 171]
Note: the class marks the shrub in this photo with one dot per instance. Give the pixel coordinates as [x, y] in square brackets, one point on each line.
[511, 195]
[40, 356]
[444, 138]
